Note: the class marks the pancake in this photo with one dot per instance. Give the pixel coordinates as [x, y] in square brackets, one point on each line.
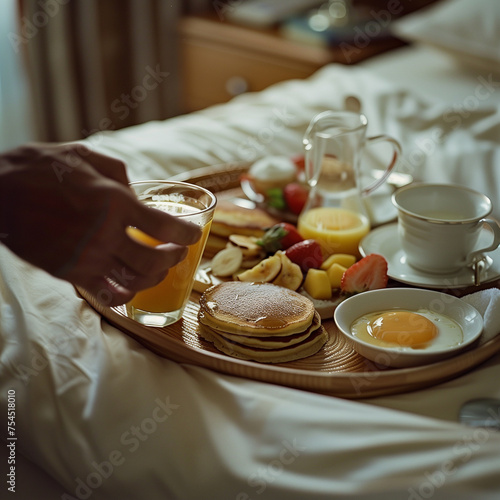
[301, 350]
[274, 341]
[255, 309]
[233, 219]
[260, 322]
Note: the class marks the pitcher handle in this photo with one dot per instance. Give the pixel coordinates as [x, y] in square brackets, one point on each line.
[395, 155]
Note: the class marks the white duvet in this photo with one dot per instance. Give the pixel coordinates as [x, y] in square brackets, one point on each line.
[108, 419]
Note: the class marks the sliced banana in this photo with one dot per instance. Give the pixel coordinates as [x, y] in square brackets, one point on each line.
[227, 261]
[249, 247]
[291, 275]
[265, 271]
[249, 263]
[247, 242]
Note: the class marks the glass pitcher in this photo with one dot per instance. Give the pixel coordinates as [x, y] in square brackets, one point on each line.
[336, 213]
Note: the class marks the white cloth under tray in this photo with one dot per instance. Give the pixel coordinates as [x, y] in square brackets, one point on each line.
[108, 419]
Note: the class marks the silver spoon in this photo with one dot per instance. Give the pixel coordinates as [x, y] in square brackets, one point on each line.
[352, 103]
[483, 412]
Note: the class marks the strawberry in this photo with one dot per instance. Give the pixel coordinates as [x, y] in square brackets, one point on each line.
[300, 162]
[279, 237]
[292, 235]
[307, 254]
[369, 273]
[295, 196]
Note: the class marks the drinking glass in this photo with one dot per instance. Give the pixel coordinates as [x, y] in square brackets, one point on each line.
[164, 303]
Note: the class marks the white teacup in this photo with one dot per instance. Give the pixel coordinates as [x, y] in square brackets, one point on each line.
[439, 226]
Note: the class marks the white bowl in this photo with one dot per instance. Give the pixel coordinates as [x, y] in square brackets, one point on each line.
[411, 299]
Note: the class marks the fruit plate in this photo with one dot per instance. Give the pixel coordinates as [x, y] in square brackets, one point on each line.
[337, 369]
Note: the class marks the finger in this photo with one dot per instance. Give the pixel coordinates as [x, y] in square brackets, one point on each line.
[146, 261]
[127, 261]
[165, 227]
[127, 278]
[111, 167]
[131, 264]
[106, 291]
[101, 275]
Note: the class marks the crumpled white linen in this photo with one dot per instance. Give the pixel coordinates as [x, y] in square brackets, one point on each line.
[487, 303]
[442, 142]
[108, 419]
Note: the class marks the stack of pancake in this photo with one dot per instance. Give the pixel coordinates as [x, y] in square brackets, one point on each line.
[260, 322]
[232, 219]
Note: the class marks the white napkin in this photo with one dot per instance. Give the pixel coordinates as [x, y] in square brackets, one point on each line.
[487, 303]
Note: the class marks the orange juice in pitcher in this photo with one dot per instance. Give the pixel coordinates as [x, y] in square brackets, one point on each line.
[337, 230]
[335, 214]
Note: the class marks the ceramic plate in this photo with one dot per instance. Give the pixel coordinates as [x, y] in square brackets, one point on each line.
[455, 319]
[385, 241]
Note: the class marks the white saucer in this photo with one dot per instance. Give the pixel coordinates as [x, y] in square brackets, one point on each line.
[385, 241]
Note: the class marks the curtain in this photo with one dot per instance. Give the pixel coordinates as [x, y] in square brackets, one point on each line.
[15, 119]
[98, 65]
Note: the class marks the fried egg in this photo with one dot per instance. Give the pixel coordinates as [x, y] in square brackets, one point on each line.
[405, 330]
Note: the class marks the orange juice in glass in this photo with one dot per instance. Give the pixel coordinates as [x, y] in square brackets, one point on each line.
[164, 303]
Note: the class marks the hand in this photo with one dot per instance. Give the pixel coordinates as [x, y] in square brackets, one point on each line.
[65, 209]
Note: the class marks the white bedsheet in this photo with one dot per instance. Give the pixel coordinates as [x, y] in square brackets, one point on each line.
[453, 138]
[437, 76]
[107, 419]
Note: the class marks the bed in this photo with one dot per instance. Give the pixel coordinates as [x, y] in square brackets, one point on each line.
[100, 416]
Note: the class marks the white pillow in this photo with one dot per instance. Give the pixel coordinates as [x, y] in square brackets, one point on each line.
[469, 29]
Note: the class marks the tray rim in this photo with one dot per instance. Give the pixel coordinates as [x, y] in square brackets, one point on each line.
[340, 384]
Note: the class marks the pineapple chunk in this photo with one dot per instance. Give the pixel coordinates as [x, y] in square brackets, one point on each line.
[344, 259]
[317, 284]
[335, 273]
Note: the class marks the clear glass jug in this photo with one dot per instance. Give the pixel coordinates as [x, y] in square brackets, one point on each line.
[335, 213]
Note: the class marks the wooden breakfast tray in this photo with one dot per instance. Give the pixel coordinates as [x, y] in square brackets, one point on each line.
[336, 369]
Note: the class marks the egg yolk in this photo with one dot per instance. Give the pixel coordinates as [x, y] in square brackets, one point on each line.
[402, 328]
